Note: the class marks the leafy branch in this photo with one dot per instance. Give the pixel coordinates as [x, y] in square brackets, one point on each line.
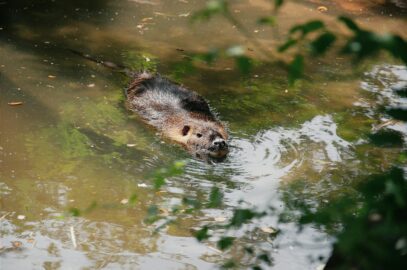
[360, 45]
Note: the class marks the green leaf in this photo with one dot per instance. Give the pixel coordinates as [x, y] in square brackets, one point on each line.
[395, 45]
[176, 168]
[308, 27]
[241, 216]
[362, 45]
[133, 199]
[229, 264]
[160, 175]
[244, 64]
[208, 57]
[202, 234]
[398, 113]
[265, 258]
[192, 202]
[180, 164]
[393, 189]
[74, 212]
[295, 69]
[278, 3]
[349, 23]
[401, 90]
[269, 20]
[387, 138]
[159, 181]
[322, 43]
[225, 242]
[402, 158]
[215, 198]
[288, 44]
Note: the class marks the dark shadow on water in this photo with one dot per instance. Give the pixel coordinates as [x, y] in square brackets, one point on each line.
[105, 145]
[47, 15]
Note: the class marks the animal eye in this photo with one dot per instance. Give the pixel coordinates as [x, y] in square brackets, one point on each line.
[185, 130]
[199, 135]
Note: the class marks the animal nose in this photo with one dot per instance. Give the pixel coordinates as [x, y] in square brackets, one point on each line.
[220, 143]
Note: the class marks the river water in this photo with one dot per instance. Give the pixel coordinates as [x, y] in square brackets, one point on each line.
[72, 144]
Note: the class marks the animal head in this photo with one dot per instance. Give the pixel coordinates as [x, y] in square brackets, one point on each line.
[205, 138]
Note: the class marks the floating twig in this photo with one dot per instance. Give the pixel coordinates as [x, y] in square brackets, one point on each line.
[73, 238]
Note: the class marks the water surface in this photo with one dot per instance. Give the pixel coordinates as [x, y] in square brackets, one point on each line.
[72, 143]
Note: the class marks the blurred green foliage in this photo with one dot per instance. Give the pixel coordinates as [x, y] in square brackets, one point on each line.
[360, 44]
[370, 225]
[374, 233]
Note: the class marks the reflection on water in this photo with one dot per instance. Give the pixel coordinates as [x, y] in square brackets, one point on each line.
[385, 80]
[276, 152]
[72, 143]
[258, 164]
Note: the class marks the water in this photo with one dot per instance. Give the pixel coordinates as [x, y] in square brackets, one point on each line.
[72, 143]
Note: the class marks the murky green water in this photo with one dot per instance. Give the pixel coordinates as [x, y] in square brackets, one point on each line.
[71, 143]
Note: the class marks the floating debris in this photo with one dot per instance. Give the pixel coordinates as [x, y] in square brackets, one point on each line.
[16, 244]
[164, 14]
[21, 217]
[73, 238]
[269, 230]
[15, 103]
[322, 9]
[215, 249]
[131, 144]
[6, 214]
[385, 124]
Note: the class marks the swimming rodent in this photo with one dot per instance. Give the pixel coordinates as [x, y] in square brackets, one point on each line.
[176, 112]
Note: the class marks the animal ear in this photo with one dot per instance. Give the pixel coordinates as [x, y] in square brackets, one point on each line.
[185, 130]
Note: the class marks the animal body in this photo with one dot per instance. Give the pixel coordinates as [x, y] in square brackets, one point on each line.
[178, 113]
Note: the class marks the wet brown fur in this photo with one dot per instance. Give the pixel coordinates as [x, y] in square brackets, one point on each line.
[178, 113]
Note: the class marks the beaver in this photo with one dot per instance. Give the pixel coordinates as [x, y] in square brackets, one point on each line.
[178, 113]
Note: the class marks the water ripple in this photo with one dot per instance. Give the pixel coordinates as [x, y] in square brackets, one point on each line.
[274, 154]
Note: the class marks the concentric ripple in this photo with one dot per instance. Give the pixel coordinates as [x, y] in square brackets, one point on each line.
[275, 153]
